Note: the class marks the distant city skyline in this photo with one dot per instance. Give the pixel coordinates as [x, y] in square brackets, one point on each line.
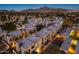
[34, 6]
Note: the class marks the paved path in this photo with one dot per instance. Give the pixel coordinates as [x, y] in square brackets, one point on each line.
[45, 46]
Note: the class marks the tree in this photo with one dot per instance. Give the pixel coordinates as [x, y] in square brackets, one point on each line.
[3, 18]
[9, 26]
[67, 22]
[39, 27]
[25, 20]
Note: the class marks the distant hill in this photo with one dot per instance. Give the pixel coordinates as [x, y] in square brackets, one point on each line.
[41, 10]
[46, 9]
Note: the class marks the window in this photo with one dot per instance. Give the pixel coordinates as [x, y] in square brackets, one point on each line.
[28, 50]
[39, 42]
[10, 39]
[32, 47]
[73, 46]
[36, 44]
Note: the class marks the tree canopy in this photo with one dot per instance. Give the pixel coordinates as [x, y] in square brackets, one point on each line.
[9, 26]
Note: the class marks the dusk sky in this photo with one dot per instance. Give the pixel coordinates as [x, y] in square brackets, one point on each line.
[27, 6]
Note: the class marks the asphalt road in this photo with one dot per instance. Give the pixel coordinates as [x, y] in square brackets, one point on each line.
[55, 48]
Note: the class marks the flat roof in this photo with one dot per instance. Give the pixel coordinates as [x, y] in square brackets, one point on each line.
[43, 33]
[66, 44]
[30, 25]
[77, 48]
[24, 43]
[15, 33]
[51, 28]
[33, 38]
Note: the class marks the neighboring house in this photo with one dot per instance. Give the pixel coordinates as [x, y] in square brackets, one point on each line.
[36, 40]
[44, 34]
[65, 45]
[23, 46]
[47, 23]
[2, 34]
[29, 44]
[14, 35]
[52, 30]
[29, 29]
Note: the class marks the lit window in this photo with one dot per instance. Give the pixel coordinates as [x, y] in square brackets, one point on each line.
[36, 44]
[38, 50]
[74, 42]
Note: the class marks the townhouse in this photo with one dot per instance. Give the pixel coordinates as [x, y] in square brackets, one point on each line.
[29, 44]
[27, 39]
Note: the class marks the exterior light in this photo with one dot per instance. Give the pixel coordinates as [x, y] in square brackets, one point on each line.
[36, 45]
[74, 42]
[72, 33]
[70, 50]
[13, 44]
[58, 36]
[38, 50]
